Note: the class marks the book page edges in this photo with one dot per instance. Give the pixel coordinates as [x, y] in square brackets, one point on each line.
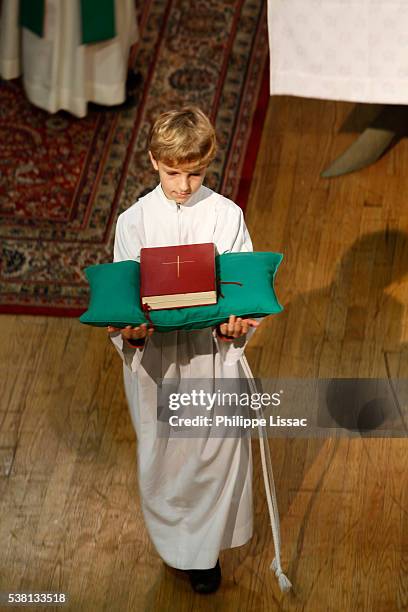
[179, 300]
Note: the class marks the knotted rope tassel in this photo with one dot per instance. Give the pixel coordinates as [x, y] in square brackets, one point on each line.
[284, 582]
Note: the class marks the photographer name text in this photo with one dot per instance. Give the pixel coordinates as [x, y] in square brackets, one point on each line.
[235, 421]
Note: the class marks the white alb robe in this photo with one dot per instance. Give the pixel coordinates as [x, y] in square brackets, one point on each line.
[59, 72]
[196, 493]
[9, 40]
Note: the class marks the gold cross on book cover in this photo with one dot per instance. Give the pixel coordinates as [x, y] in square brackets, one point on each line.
[178, 262]
[178, 276]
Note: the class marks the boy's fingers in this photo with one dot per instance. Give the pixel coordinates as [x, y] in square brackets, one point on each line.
[234, 327]
[147, 331]
[140, 331]
[128, 332]
[224, 329]
[231, 325]
[238, 327]
[252, 322]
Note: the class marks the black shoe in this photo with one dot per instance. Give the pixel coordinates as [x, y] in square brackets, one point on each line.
[205, 580]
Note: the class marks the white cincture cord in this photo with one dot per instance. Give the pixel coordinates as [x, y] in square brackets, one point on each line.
[284, 582]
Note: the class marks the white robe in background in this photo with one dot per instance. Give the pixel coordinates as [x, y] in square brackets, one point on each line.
[9, 40]
[60, 73]
[196, 494]
[355, 50]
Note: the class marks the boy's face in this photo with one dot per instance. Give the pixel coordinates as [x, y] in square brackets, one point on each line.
[179, 183]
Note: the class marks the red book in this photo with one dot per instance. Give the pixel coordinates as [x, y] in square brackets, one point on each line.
[178, 276]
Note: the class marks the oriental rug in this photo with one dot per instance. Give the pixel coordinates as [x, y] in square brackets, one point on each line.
[63, 180]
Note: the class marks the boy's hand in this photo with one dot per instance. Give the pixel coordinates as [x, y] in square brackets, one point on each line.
[133, 333]
[237, 327]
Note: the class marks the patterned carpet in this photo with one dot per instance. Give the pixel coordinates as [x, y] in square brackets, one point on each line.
[63, 181]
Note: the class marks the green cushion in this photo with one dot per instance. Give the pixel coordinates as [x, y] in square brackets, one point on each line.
[115, 294]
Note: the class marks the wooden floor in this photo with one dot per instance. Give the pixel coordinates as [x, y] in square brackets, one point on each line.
[70, 515]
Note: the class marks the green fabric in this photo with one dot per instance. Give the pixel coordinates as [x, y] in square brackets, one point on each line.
[97, 18]
[32, 15]
[115, 296]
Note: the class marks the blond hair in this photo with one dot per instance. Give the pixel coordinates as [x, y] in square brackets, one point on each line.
[183, 137]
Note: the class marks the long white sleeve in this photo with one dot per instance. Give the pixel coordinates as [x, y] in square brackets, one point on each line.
[125, 249]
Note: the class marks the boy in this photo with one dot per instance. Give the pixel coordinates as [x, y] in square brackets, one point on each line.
[196, 494]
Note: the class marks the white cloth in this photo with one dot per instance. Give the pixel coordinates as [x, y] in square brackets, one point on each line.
[9, 40]
[60, 73]
[354, 50]
[196, 493]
